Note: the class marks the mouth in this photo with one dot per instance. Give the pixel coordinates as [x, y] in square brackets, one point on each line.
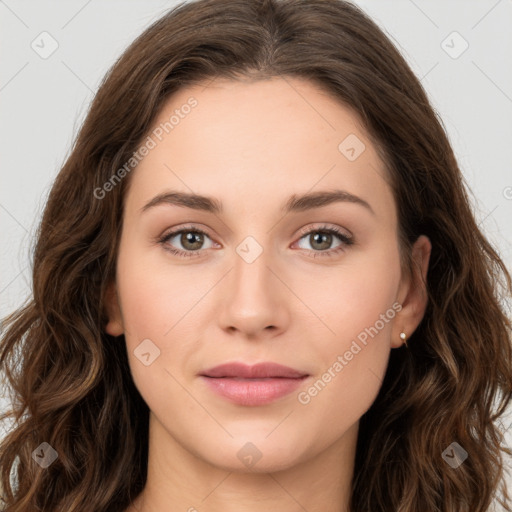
[259, 384]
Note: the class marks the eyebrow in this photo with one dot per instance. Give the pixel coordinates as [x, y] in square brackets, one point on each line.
[296, 203]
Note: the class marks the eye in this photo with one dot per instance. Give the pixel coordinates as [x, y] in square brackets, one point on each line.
[192, 239]
[322, 237]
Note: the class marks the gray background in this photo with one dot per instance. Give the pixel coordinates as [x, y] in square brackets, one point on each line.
[44, 100]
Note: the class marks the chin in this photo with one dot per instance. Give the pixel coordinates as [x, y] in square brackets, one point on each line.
[255, 454]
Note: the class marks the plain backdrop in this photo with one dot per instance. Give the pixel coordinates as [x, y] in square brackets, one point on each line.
[54, 54]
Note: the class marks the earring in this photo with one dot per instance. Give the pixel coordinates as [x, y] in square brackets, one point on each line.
[404, 338]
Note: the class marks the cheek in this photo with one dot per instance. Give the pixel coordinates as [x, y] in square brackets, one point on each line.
[154, 315]
[156, 294]
[357, 313]
[341, 394]
[160, 302]
[353, 365]
[352, 297]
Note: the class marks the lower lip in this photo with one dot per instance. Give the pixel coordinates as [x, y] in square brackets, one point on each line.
[253, 391]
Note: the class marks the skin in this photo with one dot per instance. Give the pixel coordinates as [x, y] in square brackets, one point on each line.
[244, 142]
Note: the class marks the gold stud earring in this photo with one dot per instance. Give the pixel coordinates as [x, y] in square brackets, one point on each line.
[404, 338]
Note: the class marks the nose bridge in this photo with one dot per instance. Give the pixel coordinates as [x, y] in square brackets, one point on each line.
[253, 300]
[251, 264]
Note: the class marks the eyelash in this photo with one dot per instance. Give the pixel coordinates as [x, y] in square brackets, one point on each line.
[347, 241]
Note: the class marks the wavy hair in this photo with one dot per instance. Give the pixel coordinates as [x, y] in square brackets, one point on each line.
[70, 381]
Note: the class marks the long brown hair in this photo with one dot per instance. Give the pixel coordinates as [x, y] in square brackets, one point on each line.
[71, 382]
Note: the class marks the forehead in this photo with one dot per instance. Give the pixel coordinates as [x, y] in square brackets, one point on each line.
[244, 142]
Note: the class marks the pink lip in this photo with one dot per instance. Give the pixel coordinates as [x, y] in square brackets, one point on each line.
[253, 385]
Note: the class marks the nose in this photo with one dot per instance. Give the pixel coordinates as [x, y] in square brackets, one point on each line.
[254, 300]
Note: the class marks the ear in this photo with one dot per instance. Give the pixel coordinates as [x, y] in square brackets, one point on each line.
[412, 294]
[114, 325]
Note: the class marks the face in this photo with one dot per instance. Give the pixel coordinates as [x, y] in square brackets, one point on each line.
[313, 284]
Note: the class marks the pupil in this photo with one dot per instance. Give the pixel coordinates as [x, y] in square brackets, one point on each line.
[189, 239]
[324, 237]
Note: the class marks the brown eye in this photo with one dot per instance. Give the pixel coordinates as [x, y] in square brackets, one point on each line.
[191, 242]
[321, 239]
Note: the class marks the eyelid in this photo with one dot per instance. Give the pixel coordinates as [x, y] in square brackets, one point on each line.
[345, 239]
[324, 226]
[171, 233]
[306, 230]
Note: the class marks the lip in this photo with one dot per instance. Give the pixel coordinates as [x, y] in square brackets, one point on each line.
[256, 371]
[259, 384]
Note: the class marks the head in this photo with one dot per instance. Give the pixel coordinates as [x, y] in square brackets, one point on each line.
[256, 287]
[236, 101]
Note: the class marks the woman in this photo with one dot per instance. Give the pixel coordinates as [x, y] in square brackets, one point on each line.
[189, 346]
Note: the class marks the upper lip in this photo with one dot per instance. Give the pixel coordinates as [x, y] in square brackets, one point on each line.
[260, 370]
